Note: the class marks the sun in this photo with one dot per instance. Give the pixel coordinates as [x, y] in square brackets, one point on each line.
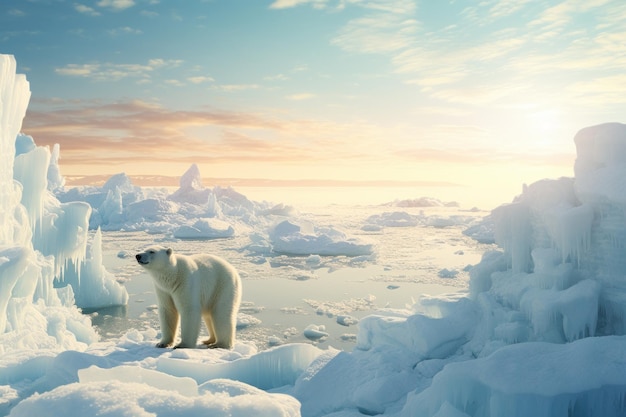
[546, 121]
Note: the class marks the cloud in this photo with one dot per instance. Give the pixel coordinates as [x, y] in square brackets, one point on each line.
[388, 27]
[200, 79]
[601, 91]
[126, 30]
[483, 59]
[175, 83]
[81, 8]
[286, 4]
[115, 72]
[237, 87]
[486, 12]
[277, 77]
[116, 5]
[116, 133]
[74, 70]
[16, 13]
[300, 96]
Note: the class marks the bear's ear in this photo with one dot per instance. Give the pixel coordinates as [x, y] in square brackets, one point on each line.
[169, 251]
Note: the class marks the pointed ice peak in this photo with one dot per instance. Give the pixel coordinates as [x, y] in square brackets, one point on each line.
[121, 181]
[191, 179]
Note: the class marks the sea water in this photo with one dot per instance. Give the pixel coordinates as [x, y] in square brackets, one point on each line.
[285, 295]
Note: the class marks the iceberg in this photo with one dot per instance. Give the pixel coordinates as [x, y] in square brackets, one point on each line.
[41, 242]
[541, 330]
[294, 237]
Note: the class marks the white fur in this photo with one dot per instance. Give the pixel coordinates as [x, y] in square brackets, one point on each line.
[194, 287]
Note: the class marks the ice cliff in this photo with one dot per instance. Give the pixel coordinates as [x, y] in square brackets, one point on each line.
[41, 240]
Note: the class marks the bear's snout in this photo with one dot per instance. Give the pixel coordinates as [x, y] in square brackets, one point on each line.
[140, 260]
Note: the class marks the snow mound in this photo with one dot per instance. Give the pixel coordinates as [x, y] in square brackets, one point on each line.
[394, 219]
[205, 229]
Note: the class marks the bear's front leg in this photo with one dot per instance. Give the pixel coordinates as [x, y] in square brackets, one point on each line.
[168, 318]
[189, 327]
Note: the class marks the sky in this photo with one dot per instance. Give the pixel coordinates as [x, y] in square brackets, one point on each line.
[479, 97]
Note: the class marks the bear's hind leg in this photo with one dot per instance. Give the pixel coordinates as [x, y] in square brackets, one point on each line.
[208, 320]
[225, 324]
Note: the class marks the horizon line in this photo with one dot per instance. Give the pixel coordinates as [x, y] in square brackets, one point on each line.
[172, 181]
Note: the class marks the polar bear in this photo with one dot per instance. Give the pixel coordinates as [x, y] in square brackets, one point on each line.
[192, 287]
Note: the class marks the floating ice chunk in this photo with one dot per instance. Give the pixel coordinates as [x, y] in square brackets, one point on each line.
[394, 219]
[346, 320]
[207, 228]
[246, 320]
[274, 341]
[314, 260]
[424, 202]
[315, 332]
[302, 238]
[371, 228]
[447, 273]
[348, 337]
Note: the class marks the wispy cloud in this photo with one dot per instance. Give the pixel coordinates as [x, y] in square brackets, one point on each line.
[494, 64]
[115, 72]
[388, 27]
[90, 11]
[199, 79]
[126, 30]
[114, 133]
[300, 96]
[277, 77]
[237, 87]
[286, 4]
[116, 5]
[600, 91]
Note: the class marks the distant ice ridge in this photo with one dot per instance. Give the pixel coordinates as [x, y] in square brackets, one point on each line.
[196, 212]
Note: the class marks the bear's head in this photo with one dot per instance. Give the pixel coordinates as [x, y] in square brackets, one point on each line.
[155, 257]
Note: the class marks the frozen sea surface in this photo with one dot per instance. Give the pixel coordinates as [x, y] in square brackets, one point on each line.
[283, 295]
